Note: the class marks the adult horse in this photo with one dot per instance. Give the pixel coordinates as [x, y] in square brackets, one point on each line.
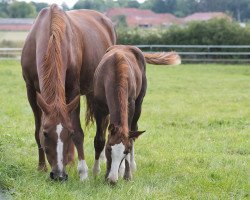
[59, 58]
[119, 88]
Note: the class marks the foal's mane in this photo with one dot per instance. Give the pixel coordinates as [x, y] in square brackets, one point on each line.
[121, 70]
[53, 86]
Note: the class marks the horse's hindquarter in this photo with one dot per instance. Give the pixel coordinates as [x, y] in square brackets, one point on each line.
[97, 36]
[35, 43]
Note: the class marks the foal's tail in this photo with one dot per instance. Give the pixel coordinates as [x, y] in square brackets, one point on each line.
[164, 58]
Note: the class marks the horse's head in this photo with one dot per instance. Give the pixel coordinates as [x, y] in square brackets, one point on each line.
[55, 136]
[118, 146]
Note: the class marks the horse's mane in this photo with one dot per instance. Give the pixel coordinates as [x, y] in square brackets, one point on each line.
[53, 87]
[121, 70]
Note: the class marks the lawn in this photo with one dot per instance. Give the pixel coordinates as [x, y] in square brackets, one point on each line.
[196, 145]
[13, 35]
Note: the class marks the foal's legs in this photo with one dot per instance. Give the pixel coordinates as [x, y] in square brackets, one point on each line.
[99, 142]
[31, 93]
[134, 127]
[78, 139]
[127, 160]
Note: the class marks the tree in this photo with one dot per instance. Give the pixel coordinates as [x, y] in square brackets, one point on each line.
[90, 4]
[39, 6]
[21, 10]
[3, 9]
[65, 6]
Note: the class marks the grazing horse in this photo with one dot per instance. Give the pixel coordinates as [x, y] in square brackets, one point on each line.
[119, 88]
[58, 61]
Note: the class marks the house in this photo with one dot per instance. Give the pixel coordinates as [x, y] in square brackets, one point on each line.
[16, 24]
[147, 18]
[142, 18]
[204, 16]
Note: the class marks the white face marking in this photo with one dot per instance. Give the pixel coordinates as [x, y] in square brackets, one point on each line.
[82, 170]
[59, 148]
[116, 155]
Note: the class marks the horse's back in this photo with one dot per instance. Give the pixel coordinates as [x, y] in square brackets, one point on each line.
[111, 65]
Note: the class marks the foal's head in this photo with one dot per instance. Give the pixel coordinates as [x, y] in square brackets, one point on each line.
[55, 136]
[118, 146]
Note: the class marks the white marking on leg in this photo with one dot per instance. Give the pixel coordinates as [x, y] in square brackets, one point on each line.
[59, 148]
[132, 158]
[117, 154]
[96, 168]
[82, 170]
[122, 168]
[103, 156]
[128, 173]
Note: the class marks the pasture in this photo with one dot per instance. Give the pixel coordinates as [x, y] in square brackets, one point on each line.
[196, 145]
[13, 35]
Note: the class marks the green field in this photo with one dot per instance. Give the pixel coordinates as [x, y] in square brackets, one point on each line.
[13, 35]
[196, 145]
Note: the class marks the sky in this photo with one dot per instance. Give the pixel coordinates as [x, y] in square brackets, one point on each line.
[70, 3]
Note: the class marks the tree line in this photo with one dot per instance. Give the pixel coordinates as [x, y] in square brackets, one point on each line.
[240, 10]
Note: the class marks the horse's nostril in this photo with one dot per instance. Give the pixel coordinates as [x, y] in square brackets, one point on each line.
[52, 176]
[63, 178]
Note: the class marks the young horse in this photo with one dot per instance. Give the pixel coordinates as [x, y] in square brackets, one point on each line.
[119, 88]
[58, 61]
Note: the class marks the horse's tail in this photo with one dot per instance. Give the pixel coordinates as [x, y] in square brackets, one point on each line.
[163, 58]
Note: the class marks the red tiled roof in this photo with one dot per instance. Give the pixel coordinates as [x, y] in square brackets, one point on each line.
[9, 27]
[205, 16]
[135, 17]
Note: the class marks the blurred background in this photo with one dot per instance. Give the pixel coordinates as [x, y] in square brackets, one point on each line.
[152, 25]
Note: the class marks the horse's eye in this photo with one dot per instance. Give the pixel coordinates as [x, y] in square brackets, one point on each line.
[45, 134]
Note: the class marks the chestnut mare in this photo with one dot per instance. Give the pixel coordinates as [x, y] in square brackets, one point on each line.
[119, 88]
[58, 61]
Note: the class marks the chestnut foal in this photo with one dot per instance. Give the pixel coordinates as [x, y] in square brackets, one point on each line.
[119, 88]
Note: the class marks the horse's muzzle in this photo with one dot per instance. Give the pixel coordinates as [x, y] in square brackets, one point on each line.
[57, 176]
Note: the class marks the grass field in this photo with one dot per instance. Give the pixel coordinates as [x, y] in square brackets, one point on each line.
[196, 145]
[13, 35]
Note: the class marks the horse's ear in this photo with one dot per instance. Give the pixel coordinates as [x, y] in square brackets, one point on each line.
[73, 104]
[112, 128]
[42, 103]
[135, 134]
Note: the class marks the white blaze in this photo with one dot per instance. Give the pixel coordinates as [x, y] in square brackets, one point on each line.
[59, 148]
[116, 155]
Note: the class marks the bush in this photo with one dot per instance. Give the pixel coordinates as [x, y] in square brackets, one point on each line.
[212, 32]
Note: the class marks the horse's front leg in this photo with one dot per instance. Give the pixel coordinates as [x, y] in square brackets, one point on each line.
[31, 93]
[99, 141]
[127, 174]
[78, 139]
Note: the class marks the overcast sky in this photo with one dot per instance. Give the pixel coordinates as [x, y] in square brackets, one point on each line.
[70, 3]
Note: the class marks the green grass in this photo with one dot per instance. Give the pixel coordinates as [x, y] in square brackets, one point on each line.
[13, 35]
[196, 145]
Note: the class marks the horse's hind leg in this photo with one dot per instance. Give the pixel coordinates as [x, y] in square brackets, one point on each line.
[31, 93]
[99, 141]
[78, 139]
